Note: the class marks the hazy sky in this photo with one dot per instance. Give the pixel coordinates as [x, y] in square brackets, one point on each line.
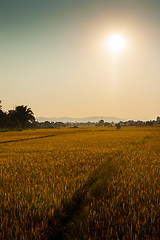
[54, 60]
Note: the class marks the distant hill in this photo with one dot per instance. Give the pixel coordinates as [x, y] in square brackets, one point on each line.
[86, 119]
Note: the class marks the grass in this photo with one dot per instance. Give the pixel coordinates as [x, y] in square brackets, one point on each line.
[85, 183]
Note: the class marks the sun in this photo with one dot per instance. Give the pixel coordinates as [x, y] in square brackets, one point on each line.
[116, 43]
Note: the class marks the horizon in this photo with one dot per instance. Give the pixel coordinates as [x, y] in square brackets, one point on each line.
[92, 117]
[78, 59]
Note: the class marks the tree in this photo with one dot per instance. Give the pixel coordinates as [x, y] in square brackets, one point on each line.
[150, 123]
[107, 124]
[118, 126]
[2, 117]
[24, 115]
[12, 121]
[101, 123]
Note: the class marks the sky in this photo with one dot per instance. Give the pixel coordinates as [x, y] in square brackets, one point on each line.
[54, 57]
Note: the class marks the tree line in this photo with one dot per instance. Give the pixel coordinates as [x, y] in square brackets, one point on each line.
[21, 117]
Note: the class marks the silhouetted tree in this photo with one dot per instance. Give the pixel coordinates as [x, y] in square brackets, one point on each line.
[101, 123]
[158, 119]
[107, 124]
[20, 117]
[118, 125]
[12, 121]
[24, 116]
[2, 117]
[150, 123]
[59, 124]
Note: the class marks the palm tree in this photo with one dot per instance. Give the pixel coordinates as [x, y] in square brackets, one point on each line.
[24, 115]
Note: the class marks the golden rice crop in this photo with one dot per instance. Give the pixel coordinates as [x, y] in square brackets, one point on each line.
[129, 207]
[40, 174]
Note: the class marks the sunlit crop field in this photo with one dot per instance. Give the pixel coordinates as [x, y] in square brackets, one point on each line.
[85, 183]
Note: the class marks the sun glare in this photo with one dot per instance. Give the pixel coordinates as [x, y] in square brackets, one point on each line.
[116, 43]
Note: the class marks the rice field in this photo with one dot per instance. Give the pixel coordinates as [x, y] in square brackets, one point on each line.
[85, 183]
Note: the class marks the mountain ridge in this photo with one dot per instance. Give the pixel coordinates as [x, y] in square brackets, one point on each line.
[80, 119]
